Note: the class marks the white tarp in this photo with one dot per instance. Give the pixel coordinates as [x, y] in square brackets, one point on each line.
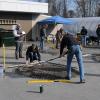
[90, 24]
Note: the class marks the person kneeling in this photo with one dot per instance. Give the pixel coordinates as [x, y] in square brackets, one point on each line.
[32, 53]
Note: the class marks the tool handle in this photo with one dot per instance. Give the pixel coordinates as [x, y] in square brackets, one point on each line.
[52, 59]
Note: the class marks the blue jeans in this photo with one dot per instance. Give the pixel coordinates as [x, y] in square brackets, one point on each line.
[32, 56]
[41, 43]
[98, 39]
[18, 50]
[83, 40]
[75, 50]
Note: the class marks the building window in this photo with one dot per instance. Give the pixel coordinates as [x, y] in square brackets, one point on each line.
[7, 21]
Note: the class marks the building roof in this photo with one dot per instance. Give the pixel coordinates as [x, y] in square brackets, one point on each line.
[23, 6]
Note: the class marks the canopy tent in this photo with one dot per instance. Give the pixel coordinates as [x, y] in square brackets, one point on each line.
[56, 20]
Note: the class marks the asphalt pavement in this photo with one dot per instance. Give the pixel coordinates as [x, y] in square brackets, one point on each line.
[15, 87]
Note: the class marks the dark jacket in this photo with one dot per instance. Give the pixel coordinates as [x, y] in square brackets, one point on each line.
[21, 37]
[42, 32]
[68, 40]
[98, 32]
[35, 52]
[84, 31]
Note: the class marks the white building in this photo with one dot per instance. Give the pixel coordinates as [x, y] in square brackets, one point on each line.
[26, 13]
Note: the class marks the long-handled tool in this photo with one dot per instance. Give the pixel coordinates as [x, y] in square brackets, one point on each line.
[41, 87]
[49, 59]
[48, 81]
[40, 62]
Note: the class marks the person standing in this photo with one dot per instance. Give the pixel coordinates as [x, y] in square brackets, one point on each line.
[98, 33]
[43, 35]
[58, 37]
[19, 38]
[73, 47]
[83, 34]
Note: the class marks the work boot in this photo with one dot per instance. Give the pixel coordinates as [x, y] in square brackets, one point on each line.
[16, 57]
[67, 78]
[82, 81]
[21, 57]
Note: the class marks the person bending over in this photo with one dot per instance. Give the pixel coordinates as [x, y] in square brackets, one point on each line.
[73, 47]
[32, 53]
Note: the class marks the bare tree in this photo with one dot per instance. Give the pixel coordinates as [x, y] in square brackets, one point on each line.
[58, 7]
[86, 7]
[52, 10]
[81, 7]
[71, 13]
[65, 9]
[98, 10]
